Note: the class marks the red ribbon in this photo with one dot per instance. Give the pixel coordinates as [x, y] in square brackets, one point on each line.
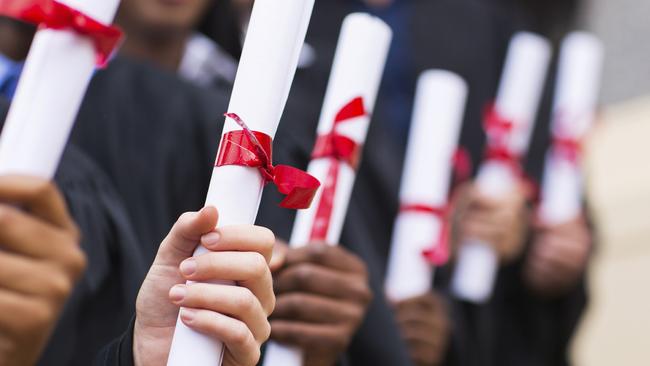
[462, 165]
[338, 149]
[254, 149]
[498, 130]
[54, 15]
[438, 253]
[568, 148]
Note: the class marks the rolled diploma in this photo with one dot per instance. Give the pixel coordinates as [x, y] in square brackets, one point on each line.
[437, 118]
[357, 70]
[275, 35]
[580, 67]
[518, 99]
[52, 86]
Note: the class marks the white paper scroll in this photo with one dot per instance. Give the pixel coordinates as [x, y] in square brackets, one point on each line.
[54, 80]
[576, 96]
[517, 100]
[275, 36]
[437, 117]
[357, 71]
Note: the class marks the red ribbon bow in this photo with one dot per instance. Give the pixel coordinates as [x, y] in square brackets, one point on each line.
[54, 15]
[438, 253]
[339, 149]
[498, 130]
[568, 148]
[254, 149]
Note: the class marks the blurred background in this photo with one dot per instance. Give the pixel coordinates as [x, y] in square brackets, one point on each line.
[614, 328]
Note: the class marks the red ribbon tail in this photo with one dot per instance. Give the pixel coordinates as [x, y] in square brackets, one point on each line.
[438, 254]
[298, 186]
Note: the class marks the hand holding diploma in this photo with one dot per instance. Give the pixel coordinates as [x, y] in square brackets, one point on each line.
[40, 262]
[422, 315]
[244, 163]
[235, 315]
[426, 327]
[508, 125]
[322, 295]
[562, 240]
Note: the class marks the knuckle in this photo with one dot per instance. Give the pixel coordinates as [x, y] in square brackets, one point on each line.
[59, 287]
[184, 217]
[293, 304]
[341, 342]
[255, 355]
[303, 274]
[240, 335]
[258, 265]
[74, 233]
[7, 216]
[246, 301]
[317, 252]
[43, 189]
[265, 332]
[40, 317]
[270, 306]
[268, 237]
[365, 293]
[76, 262]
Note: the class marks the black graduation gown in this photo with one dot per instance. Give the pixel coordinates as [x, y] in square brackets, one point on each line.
[101, 304]
[156, 137]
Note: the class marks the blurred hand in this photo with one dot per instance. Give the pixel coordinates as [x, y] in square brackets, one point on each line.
[235, 315]
[424, 324]
[501, 223]
[322, 296]
[558, 256]
[40, 261]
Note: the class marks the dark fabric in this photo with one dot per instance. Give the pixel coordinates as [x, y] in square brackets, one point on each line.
[102, 302]
[156, 138]
[119, 352]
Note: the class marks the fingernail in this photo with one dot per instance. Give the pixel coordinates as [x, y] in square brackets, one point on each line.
[188, 315]
[211, 239]
[188, 267]
[178, 293]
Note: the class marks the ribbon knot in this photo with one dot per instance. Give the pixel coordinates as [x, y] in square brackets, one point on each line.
[55, 15]
[438, 253]
[253, 149]
[568, 148]
[339, 149]
[498, 130]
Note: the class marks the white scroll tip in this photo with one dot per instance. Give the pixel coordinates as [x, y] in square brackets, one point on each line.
[446, 80]
[583, 40]
[370, 22]
[475, 273]
[101, 10]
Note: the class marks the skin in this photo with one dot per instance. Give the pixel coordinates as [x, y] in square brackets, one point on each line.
[40, 262]
[158, 29]
[501, 223]
[425, 327]
[322, 296]
[558, 257]
[15, 39]
[235, 315]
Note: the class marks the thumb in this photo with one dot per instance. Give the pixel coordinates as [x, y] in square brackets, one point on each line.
[185, 236]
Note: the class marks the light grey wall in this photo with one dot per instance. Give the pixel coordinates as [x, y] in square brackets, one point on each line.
[624, 27]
